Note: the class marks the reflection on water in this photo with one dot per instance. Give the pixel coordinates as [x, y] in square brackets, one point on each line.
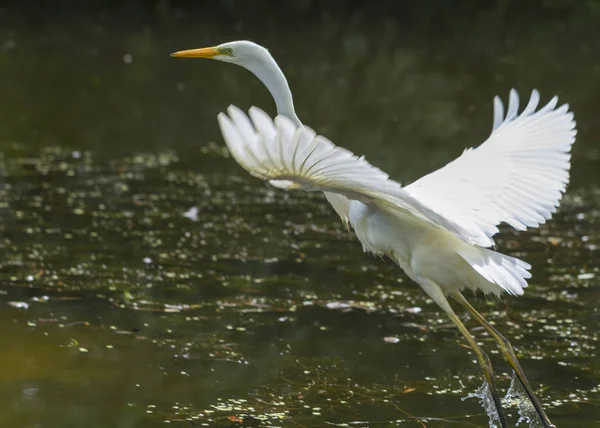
[119, 310]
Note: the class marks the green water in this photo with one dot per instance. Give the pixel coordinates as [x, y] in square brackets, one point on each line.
[117, 310]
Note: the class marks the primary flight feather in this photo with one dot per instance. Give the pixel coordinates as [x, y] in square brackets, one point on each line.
[517, 176]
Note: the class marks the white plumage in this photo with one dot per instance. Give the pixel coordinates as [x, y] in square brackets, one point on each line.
[438, 229]
[440, 225]
[517, 176]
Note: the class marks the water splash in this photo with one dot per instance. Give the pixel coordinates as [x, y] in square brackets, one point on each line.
[516, 396]
[487, 402]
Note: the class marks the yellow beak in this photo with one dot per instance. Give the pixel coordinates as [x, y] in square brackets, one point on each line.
[197, 53]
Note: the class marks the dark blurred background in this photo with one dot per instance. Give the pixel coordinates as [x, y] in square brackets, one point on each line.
[97, 75]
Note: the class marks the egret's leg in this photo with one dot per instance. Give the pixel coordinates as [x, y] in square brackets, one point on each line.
[439, 297]
[509, 354]
[486, 366]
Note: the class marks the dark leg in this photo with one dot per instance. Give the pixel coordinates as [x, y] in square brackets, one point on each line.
[486, 366]
[436, 293]
[509, 355]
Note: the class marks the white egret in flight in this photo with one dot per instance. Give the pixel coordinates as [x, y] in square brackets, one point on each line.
[438, 229]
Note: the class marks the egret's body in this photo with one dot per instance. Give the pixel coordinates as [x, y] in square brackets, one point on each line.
[439, 228]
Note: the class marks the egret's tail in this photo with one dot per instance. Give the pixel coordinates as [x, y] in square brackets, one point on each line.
[509, 273]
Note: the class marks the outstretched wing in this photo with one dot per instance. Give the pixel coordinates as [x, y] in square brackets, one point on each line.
[517, 176]
[293, 157]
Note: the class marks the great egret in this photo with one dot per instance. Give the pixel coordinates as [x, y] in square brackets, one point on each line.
[439, 228]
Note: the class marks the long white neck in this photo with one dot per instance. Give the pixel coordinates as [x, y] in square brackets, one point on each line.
[273, 78]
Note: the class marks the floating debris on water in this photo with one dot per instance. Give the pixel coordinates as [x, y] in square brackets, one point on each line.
[19, 305]
[192, 214]
[250, 308]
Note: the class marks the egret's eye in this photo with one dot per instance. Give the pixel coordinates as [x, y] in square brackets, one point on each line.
[227, 51]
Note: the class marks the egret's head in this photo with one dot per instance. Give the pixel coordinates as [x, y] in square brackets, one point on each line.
[241, 52]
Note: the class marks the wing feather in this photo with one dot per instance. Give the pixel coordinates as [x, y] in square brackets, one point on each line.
[517, 176]
[295, 157]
